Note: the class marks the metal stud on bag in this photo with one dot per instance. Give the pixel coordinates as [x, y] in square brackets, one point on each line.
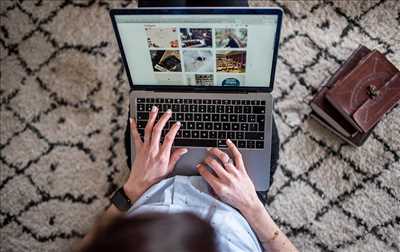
[373, 91]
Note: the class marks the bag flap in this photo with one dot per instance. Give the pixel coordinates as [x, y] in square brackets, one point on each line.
[380, 101]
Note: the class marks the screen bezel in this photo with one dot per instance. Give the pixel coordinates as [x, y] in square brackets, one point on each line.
[193, 11]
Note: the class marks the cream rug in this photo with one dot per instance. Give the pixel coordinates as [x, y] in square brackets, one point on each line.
[64, 100]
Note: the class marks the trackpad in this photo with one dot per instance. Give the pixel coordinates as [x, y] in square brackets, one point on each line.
[187, 163]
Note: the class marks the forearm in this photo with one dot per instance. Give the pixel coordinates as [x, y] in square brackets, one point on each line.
[270, 235]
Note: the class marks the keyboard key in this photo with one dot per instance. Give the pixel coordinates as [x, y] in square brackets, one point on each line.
[186, 134]
[180, 116]
[239, 135]
[215, 117]
[204, 134]
[199, 125]
[230, 135]
[241, 144]
[244, 127]
[251, 144]
[142, 116]
[235, 126]
[141, 107]
[197, 117]
[233, 118]
[191, 125]
[208, 126]
[260, 118]
[254, 135]
[202, 108]
[251, 118]
[238, 109]
[184, 108]
[226, 126]
[242, 118]
[183, 125]
[262, 102]
[176, 108]
[195, 134]
[229, 109]
[188, 117]
[193, 108]
[253, 127]
[258, 109]
[213, 134]
[222, 143]
[224, 118]
[220, 109]
[206, 117]
[196, 142]
[211, 109]
[259, 144]
[221, 135]
[140, 100]
[247, 109]
[141, 124]
[217, 126]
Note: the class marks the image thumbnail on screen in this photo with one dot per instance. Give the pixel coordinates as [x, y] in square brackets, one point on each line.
[166, 60]
[161, 37]
[196, 37]
[200, 61]
[231, 37]
[231, 61]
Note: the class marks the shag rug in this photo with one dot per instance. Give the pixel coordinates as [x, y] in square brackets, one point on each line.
[64, 103]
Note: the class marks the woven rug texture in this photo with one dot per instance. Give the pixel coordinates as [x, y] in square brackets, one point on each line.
[64, 105]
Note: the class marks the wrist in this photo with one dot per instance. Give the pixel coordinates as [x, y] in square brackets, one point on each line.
[132, 192]
[254, 208]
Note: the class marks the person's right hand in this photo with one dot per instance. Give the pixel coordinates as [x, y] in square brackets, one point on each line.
[231, 183]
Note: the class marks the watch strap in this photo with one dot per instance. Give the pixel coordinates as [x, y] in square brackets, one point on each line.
[120, 200]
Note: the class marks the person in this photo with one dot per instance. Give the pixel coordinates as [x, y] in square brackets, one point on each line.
[217, 211]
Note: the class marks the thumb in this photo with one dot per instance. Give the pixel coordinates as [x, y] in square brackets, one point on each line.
[175, 156]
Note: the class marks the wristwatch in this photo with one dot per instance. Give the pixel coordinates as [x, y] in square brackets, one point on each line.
[120, 200]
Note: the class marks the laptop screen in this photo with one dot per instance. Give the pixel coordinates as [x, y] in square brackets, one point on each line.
[199, 50]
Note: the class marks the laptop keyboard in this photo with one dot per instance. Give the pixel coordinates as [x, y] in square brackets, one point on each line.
[209, 122]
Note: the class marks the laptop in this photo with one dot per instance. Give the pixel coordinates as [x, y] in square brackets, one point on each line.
[214, 67]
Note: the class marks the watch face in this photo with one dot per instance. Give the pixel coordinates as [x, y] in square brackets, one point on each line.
[120, 200]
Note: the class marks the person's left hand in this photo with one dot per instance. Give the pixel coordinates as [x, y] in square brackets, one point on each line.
[153, 161]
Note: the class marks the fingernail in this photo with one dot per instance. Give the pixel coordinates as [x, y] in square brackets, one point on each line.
[169, 111]
[130, 120]
[184, 151]
[198, 165]
[178, 123]
[154, 109]
[228, 141]
[208, 148]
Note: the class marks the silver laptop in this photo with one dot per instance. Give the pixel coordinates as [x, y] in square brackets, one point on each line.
[214, 68]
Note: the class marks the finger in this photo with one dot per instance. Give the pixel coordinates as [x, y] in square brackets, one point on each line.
[169, 138]
[222, 156]
[208, 177]
[237, 156]
[150, 124]
[157, 129]
[176, 155]
[217, 167]
[135, 134]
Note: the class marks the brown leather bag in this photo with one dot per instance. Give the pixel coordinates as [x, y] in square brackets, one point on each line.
[365, 94]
